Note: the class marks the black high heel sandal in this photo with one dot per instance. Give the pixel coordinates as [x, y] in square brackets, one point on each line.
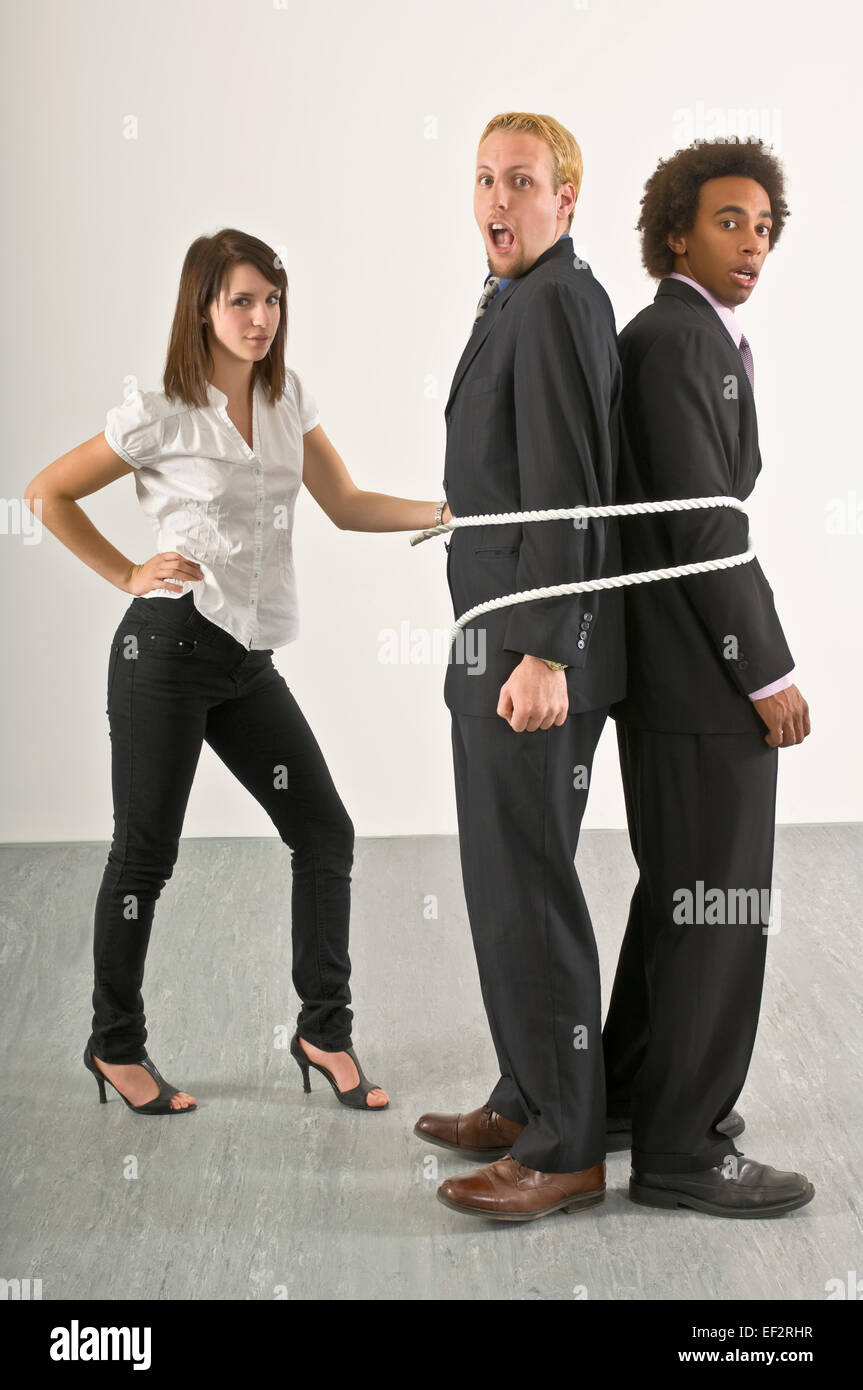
[355, 1098]
[159, 1105]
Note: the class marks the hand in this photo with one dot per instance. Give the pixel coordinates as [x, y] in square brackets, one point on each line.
[165, 571]
[534, 697]
[446, 514]
[786, 715]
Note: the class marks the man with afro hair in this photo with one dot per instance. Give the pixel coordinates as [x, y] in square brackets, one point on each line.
[709, 697]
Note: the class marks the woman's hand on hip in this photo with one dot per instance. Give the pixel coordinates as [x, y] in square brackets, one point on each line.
[168, 570]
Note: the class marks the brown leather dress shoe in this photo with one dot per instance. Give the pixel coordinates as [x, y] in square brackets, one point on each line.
[486, 1135]
[507, 1191]
[481, 1134]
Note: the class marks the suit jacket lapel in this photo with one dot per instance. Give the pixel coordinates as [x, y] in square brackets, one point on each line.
[678, 290]
[478, 337]
[562, 247]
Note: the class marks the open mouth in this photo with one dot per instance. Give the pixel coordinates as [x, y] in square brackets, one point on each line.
[744, 275]
[502, 236]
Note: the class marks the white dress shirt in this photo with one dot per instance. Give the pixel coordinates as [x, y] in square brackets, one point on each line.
[213, 499]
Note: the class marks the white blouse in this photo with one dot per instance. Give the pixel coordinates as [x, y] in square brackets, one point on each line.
[213, 499]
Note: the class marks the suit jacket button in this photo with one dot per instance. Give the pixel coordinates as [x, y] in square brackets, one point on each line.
[587, 617]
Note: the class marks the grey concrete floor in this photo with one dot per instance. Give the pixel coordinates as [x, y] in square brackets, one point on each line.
[265, 1193]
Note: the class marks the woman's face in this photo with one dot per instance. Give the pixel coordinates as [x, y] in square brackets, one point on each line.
[244, 320]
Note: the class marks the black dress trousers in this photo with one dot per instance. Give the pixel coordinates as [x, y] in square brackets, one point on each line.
[684, 1006]
[520, 799]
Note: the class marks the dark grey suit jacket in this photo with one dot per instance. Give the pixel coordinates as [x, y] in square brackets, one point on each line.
[532, 422]
[695, 646]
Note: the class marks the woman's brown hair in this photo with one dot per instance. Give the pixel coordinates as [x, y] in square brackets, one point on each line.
[205, 274]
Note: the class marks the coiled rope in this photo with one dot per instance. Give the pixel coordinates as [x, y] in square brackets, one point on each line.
[586, 586]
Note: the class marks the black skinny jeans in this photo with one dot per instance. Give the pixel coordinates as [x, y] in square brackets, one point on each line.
[174, 680]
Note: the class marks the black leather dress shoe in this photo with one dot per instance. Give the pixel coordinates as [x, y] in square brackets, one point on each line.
[618, 1133]
[741, 1187]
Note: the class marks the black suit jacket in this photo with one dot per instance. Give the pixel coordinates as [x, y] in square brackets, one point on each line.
[532, 422]
[695, 646]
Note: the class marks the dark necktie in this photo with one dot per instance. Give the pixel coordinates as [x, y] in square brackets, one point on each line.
[746, 354]
[490, 289]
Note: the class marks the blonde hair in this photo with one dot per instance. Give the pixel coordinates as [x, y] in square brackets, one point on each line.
[566, 162]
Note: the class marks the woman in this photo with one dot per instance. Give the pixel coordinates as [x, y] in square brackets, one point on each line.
[218, 460]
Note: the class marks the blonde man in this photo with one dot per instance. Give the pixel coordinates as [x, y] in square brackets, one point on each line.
[532, 423]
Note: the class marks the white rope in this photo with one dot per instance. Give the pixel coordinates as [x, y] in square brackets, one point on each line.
[684, 504]
[585, 586]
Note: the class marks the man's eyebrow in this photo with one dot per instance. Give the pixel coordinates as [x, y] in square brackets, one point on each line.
[510, 170]
[732, 207]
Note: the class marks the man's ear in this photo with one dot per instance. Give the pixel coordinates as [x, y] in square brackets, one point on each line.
[567, 207]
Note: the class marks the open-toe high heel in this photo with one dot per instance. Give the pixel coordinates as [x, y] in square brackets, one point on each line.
[356, 1098]
[159, 1105]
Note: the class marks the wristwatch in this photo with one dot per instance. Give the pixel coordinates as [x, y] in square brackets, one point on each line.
[554, 665]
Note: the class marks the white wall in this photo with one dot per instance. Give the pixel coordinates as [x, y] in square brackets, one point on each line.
[306, 124]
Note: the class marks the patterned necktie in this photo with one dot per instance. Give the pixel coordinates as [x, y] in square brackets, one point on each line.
[746, 354]
[490, 289]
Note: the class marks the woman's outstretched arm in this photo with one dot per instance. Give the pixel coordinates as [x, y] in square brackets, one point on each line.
[349, 507]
